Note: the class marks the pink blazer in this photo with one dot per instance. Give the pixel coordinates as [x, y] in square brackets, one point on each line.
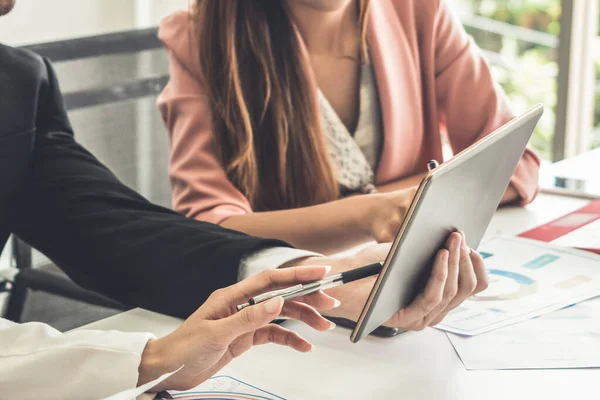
[431, 78]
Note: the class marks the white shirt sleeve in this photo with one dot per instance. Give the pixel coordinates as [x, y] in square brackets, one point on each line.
[270, 258]
[37, 361]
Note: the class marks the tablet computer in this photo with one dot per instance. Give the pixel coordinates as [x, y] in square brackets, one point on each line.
[462, 193]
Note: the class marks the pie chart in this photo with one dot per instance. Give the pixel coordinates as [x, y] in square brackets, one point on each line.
[506, 285]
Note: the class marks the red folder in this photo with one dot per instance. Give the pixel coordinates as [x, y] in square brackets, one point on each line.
[565, 224]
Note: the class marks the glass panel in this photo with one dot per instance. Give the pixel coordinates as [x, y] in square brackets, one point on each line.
[520, 40]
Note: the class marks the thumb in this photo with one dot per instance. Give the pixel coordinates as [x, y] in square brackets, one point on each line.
[252, 318]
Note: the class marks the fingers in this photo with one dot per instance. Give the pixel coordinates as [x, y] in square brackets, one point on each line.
[276, 334]
[271, 280]
[413, 317]
[306, 314]
[468, 280]
[255, 317]
[453, 245]
[480, 272]
[250, 318]
[319, 300]
[465, 275]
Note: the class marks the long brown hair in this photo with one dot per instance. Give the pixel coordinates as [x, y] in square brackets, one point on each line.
[265, 117]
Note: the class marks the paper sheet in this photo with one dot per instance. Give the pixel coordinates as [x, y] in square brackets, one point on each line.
[527, 279]
[568, 338]
[586, 237]
[227, 385]
[578, 229]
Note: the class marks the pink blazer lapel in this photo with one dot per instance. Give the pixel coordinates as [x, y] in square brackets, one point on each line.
[399, 92]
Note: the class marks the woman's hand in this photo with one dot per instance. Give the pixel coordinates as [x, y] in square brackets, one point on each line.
[385, 212]
[510, 196]
[457, 274]
[215, 334]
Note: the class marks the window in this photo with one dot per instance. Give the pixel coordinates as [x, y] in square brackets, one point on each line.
[536, 62]
[595, 142]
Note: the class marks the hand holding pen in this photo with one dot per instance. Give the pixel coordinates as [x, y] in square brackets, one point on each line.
[304, 289]
[211, 337]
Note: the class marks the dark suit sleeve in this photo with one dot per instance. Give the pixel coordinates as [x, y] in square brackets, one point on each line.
[112, 240]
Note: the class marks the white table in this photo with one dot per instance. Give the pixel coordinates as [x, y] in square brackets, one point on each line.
[414, 365]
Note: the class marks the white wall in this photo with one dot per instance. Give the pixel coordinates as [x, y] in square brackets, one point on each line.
[36, 21]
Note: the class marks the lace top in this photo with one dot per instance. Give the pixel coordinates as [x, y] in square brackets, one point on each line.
[355, 155]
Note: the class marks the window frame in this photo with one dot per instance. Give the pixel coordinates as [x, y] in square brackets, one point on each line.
[576, 81]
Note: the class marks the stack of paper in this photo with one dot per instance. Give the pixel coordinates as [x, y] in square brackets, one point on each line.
[527, 279]
[530, 279]
[568, 338]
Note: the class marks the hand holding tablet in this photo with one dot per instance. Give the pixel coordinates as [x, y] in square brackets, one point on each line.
[462, 193]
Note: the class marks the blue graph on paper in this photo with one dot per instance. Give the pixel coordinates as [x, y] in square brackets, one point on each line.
[224, 387]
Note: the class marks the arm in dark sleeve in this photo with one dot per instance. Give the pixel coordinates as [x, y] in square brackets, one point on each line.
[110, 239]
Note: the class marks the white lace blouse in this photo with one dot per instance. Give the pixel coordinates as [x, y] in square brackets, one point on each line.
[355, 155]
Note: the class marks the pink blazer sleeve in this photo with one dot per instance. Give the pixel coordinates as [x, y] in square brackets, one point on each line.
[201, 189]
[470, 103]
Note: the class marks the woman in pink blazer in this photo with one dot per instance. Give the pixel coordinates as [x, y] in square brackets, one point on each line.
[250, 149]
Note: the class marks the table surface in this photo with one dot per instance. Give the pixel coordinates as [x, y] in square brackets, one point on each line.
[414, 365]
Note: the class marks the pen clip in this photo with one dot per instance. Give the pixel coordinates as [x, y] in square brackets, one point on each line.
[275, 293]
[285, 291]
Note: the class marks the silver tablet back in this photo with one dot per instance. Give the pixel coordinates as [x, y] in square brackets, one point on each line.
[462, 193]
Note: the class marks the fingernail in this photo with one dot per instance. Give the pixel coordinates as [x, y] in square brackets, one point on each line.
[273, 305]
[332, 325]
[327, 269]
[312, 348]
[457, 243]
[336, 303]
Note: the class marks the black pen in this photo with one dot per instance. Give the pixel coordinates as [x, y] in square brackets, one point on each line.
[311, 287]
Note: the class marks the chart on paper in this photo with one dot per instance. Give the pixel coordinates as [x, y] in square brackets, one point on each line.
[225, 387]
[526, 279]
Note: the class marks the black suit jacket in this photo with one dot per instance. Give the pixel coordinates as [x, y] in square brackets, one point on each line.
[64, 202]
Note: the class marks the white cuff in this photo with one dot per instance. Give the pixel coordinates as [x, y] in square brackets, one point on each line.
[34, 357]
[139, 393]
[271, 258]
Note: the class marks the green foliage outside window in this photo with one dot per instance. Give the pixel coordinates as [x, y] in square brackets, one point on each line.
[529, 70]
